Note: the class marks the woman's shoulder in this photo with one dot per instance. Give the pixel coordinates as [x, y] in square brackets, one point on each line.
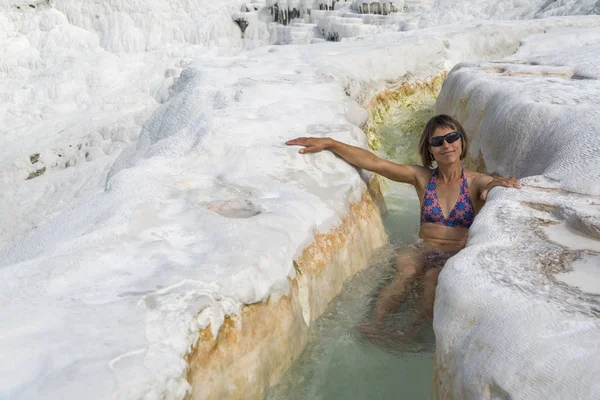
[423, 174]
[470, 174]
[477, 179]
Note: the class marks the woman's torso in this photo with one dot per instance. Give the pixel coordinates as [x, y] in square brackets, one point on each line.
[458, 205]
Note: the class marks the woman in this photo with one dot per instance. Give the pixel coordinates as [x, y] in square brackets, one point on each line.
[450, 196]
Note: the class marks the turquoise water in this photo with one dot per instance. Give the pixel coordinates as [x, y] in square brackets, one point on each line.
[338, 362]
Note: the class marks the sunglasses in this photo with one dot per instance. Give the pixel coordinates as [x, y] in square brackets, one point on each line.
[449, 137]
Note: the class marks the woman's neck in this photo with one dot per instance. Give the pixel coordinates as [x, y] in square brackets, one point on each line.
[449, 172]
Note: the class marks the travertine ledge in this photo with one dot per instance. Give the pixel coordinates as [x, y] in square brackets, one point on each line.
[517, 311]
[253, 350]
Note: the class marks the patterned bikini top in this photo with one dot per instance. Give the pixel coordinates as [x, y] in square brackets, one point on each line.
[462, 214]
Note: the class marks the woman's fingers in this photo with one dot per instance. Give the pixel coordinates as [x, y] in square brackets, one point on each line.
[311, 149]
[297, 142]
[509, 182]
[312, 145]
[484, 194]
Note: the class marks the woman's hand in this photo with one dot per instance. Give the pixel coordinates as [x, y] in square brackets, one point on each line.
[499, 181]
[311, 145]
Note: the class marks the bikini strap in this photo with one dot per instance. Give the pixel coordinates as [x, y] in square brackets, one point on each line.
[464, 184]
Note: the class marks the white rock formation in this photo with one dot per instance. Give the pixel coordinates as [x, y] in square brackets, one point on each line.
[511, 321]
[78, 80]
[311, 21]
[106, 283]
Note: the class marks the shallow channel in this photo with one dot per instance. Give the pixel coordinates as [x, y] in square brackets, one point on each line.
[338, 362]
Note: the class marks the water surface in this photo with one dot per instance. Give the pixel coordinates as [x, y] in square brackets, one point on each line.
[338, 362]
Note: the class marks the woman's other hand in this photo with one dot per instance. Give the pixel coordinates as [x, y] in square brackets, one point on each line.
[311, 145]
[499, 181]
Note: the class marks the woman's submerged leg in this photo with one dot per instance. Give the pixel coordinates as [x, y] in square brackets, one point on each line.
[435, 261]
[425, 312]
[430, 281]
[409, 266]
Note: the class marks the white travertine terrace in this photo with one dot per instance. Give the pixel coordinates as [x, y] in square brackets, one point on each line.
[511, 321]
[123, 255]
[312, 21]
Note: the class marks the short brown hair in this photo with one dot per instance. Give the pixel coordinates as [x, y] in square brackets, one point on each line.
[440, 121]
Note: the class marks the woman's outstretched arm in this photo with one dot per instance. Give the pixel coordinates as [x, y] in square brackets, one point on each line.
[360, 158]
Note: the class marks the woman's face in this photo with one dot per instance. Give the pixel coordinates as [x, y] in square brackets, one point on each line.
[447, 153]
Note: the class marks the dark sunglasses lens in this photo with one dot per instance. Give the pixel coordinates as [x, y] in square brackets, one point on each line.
[439, 140]
[452, 137]
[436, 141]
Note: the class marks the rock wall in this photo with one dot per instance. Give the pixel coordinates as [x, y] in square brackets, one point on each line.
[517, 311]
[253, 350]
[205, 213]
[378, 7]
[409, 95]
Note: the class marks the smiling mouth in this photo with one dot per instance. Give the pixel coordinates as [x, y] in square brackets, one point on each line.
[447, 152]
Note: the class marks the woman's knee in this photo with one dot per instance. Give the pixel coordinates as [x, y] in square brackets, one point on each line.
[432, 274]
[409, 270]
[409, 264]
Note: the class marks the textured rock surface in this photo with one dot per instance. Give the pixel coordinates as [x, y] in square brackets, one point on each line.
[105, 293]
[253, 349]
[308, 21]
[507, 325]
